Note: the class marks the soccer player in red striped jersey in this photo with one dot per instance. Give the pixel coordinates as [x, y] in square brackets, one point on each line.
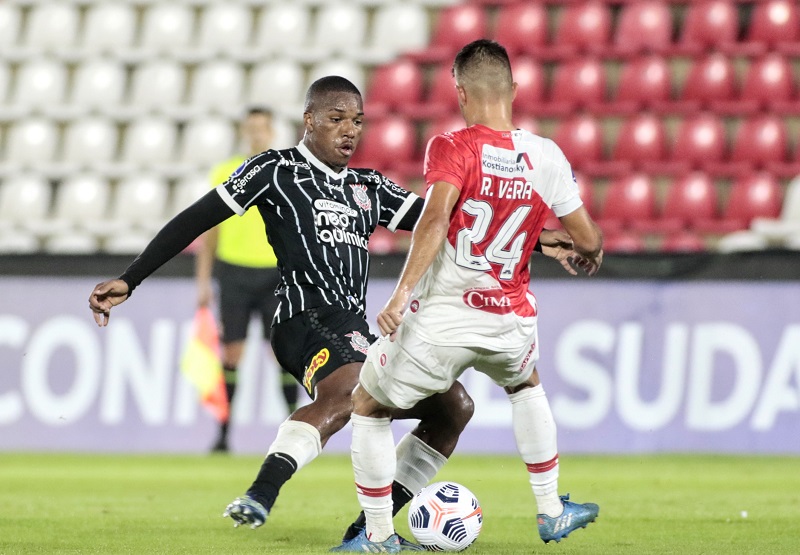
[465, 283]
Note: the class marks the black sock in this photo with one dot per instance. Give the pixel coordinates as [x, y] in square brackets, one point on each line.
[400, 496]
[275, 471]
[229, 373]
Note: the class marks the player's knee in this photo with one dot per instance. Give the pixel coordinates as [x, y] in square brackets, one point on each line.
[460, 406]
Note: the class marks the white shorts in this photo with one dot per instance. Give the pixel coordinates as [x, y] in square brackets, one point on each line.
[403, 372]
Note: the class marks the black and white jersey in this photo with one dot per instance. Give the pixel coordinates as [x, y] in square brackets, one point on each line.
[318, 223]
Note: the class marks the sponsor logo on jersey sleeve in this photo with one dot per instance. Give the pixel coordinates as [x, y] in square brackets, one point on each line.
[358, 342]
[319, 360]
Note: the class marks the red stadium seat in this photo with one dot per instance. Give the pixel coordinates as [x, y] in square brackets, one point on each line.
[586, 188]
[394, 86]
[754, 196]
[710, 79]
[522, 28]
[644, 27]
[629, 199]
[760, 140]
[450, 122]
[709, 24]
[642, 139]
[525, 122]
[530, 80]
[769, 83]
[581, 140]
[644, 82]
[455, 26]
[386, 143]
[700, 140]
[583, 27]
[683, 242]
[774, 23]
[690, 199]
[577, 83]
[441, 99]
[623, 243]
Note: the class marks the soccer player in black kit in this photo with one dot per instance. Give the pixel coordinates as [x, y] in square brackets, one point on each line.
[319, 215]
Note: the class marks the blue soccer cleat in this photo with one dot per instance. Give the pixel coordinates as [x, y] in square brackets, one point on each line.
[360, 544]
[575, 516]
[246, 510]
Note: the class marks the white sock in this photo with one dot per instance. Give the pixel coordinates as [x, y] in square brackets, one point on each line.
[417, 463]
[299, 440]
[374, 465]
[535, 432]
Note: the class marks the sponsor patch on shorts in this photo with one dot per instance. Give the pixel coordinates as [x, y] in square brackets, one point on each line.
[319, 360]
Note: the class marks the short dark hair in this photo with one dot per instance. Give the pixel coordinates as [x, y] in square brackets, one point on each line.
[478, 53]
[328, 84]
[258, 111]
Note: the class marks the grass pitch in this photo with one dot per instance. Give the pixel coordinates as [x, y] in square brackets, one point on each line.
[70, 504]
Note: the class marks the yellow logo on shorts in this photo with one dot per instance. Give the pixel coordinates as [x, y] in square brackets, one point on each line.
[317, 362]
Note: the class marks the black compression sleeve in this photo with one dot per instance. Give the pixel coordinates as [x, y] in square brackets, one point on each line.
[410, 218]
[175, 236]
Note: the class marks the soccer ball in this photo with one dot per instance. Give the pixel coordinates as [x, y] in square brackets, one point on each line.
[445, 516]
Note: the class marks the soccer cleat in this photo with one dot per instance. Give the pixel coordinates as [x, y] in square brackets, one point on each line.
[360, 544]
[246, 510]
[575, 515]
[354, 530]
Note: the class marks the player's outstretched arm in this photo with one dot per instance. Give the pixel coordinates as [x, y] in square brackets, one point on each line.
[105, 296]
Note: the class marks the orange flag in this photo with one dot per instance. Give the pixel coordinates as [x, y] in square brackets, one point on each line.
[202, 366]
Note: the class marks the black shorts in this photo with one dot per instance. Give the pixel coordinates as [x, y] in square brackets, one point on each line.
[243, 292]
[314, 343]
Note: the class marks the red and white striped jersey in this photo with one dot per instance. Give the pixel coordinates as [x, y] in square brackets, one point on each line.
[476, 291]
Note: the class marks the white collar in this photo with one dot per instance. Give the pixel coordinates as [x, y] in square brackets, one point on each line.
[319, 165]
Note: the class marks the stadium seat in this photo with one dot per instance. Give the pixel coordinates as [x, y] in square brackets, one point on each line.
[530, 78]
[586, 188]
[24, 198]
[760, 140]
[52, 27]
[710, 79]
[217, 85]
[683, 242]
[522, 28]
[157, 84]
[754, 196]
[10, 25]
[445, 124]
[644, 82]
[690, 199]
[643, 27]
[99, 83]
[769, 84]
[283, 27]
[18, 242]
[279, 83]
[774, 23]
[338, 66]
[581, 139]
[455, 26]
[166, 26]
[210, 138]
[40, 82]
[109, 27]
[641, 140]
[224, 27]
[383, 241]
[5, 82]
[396, 86]
[90, 143]
[700, 140]
[149, 141]
[577, 83]
[339, 28]
[525, 122]
[709, 24]
[441, 98]
[787, 226]
[140, 201]
[32, 142]
[582, 27]
[630, 198]
[79, 200]
[187, 191]
[396, 28]
[386, 143]
[623, 242]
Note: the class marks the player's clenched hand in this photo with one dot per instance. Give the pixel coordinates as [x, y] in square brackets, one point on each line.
[590, 266]
[557, 244]
[390, 318]
[105, 296]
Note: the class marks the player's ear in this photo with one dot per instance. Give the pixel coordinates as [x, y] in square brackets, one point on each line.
[462, 94]
[514, 88]
[308, 121]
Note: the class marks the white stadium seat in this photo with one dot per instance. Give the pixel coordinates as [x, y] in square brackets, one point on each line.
[24, 197]
[149, 141]
[90, 142]
[167, 26]
[32, 142]
[140, 200]
[399, 27]
[206, 139]
[187, 190]
[218, 84]
[81, 198]
[280, 84]
[40, 82]
[10, 24]
[98, 83]
[5, 80]
[158, 83]
[283, 27]
[52, 27]
[340, 27]
[109, 27]
[339, 66]
[225, 27]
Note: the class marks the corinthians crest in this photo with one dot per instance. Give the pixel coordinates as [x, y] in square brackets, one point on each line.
[361, 197]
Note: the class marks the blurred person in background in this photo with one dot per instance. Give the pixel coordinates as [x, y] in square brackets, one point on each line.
[245, 268]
